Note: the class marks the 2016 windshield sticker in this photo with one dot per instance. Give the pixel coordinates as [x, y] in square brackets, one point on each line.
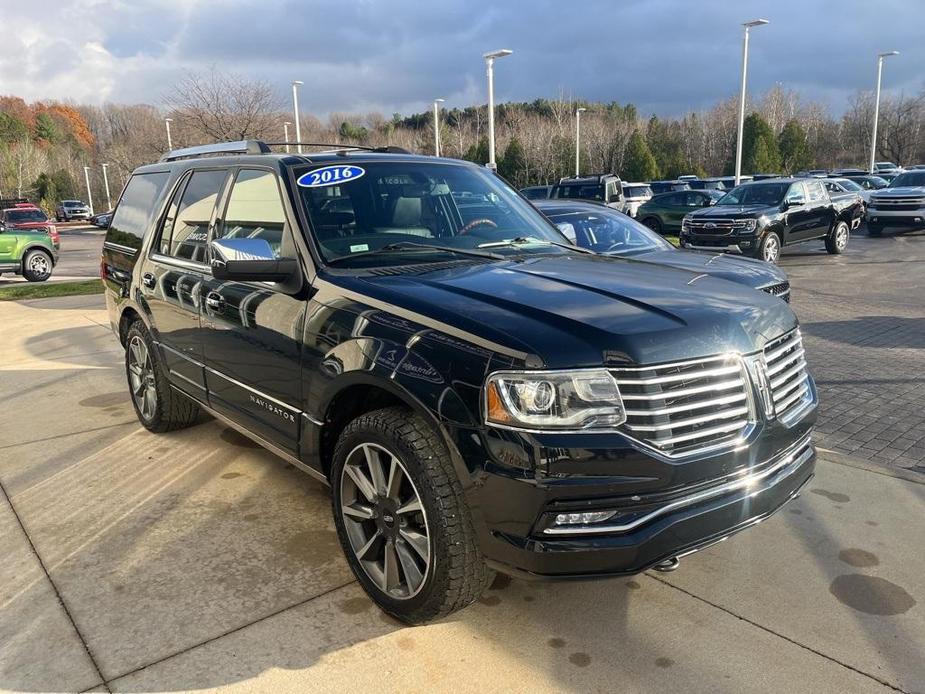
[330, 176]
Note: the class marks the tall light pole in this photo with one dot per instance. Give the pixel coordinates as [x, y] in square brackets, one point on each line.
[286, 134]
[748, 26]
[578, 112]
[489, 69]
[437, 103]
[89, 194]
[167, 122]
[106, 186]
[295, 110]
[873, 139]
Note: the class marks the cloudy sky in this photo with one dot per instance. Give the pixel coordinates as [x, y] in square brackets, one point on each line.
[666, 56]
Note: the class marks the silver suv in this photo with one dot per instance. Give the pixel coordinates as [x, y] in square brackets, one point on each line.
[68, 210]
[901, 204]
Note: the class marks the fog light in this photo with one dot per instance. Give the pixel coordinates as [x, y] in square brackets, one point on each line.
[583, 518]
[745, 244]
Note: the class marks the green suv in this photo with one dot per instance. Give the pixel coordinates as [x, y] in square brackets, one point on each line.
[28, 252]
[663, 213]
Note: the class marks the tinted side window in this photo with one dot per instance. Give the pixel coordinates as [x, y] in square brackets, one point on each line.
[816, 191]
[672, 200]
[255, 211]
[134, 210]
[796, 191]
[185, 232]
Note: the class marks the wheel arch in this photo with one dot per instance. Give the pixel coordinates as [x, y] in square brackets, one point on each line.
[35, 247]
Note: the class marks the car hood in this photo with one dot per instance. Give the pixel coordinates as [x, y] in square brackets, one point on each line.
[748, 271]
[724, 211]
[29, 225]
[584, 310]
[900, 192]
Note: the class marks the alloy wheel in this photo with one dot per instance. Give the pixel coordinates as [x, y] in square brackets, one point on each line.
[38, 264]
[771, 249]
[141, 377]
[841, 236]
[385, 521]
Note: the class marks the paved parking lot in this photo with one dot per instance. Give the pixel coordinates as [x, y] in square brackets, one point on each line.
[195, 560]
[863, 316]
[79, 258]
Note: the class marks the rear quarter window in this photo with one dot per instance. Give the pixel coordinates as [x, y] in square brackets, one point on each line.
[133, 213]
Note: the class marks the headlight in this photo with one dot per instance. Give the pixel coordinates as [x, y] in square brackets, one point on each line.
[749, 224]
[685, 224]
[585, 399]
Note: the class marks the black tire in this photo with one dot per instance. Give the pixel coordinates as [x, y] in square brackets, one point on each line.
[169, 409]
[453, 574]
[874, 230]
[654, 223]
[37, 265]
[837, 240]
[769, 248]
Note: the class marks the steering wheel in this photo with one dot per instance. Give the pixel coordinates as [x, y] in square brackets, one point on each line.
[474, 223]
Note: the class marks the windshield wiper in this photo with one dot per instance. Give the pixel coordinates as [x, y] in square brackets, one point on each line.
[405, 246]
[523, 240]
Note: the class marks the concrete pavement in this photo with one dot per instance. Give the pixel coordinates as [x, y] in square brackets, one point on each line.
[195, 560]
[79, 256]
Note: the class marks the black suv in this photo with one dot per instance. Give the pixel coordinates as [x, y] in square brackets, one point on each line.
[479, 394]
[605, 188]
[761, 217]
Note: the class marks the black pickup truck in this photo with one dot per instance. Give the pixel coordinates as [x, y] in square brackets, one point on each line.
[760, 218]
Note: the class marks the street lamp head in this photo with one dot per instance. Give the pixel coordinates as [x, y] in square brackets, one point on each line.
[887, 54]
[439, 101]
[497, 54]
[168, 120]
[755, 23]
[298, 83]
[581, 109]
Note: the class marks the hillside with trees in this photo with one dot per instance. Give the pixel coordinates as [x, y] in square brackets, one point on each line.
[45, 145]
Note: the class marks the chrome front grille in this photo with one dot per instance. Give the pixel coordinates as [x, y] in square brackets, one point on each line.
[781, 289]
[787, 376]
[717, 227]
[687, 407]
[904, 203]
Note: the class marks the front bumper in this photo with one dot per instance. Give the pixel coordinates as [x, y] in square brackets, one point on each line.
[907, 219]
[651, 528]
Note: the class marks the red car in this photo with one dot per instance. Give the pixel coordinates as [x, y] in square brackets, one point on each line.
[25, 215]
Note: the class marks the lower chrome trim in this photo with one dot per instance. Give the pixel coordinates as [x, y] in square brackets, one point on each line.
[730, 247]
[110, 245]
[792, 457]
[179, 354]
[273, 448]
[188, 380]
[253, 390]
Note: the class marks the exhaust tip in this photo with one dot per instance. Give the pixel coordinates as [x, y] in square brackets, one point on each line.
[668, 565]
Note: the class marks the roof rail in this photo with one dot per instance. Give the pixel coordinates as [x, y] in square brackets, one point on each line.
[389, 149]
[239, 147]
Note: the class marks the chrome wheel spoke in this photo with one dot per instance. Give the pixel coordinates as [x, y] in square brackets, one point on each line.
[418, 542]
[374, 463]
[362, 482]
[392, 577]
[359, 511]
[411, 506]
[409, 567]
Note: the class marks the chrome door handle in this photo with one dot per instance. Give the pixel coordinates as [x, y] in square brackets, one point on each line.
[148, 280]
[214, 300]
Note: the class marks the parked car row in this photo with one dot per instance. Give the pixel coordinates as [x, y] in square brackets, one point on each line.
[480, 393]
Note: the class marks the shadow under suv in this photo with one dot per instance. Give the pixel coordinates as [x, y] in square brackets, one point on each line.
[479, 394]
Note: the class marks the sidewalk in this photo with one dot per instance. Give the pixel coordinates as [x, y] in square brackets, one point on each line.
[195, 560]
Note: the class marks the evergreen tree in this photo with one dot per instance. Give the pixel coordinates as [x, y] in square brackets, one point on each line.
[46, 128]
[794, 150]
[478, 153]
[760, 153]
[639, 163]
[513, 164]
[12, 129]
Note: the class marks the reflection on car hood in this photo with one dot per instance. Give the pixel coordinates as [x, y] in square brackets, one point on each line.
[748, 271]
[731, 210]
[583, 310]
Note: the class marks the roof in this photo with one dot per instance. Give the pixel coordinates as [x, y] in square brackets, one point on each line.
[565, 205]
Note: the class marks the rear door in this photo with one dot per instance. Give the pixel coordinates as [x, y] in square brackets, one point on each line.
[252, 331]
[172, 275]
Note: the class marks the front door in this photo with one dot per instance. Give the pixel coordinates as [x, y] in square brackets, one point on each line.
[172, 276]
[799, 214]
[252, 331]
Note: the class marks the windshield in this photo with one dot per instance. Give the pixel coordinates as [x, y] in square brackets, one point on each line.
[607, 230]
[582, 192]
[73, 203]
[421, 203]
[848, 184]
[21, 216]
[910, 178]
[637, 191]
[755, 194]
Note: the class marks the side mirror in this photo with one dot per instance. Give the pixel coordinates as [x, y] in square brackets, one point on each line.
[249, 260]
[795, 201]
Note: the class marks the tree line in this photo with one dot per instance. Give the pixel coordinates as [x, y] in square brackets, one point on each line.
[45, 146]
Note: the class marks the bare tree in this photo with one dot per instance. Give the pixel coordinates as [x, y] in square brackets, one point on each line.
[218, 106]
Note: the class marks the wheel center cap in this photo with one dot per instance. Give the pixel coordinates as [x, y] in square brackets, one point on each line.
[388, 516]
